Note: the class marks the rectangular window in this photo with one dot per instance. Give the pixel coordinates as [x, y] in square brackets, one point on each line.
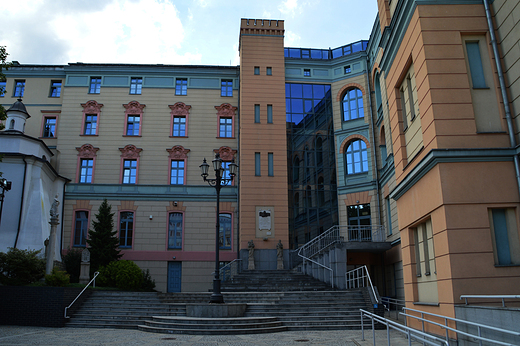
[411, 100]
[132, 125]
[19, 88]
[306, 72]
[80, 228]
[177, 172]
[270, 169]
[85, 171]
[129, 171]
[257, 113]
[175, 224]
[49, 127]
[181, 87]
[225, 230]
[55, 88]
[257, 70]
[90, 124]
[506, 242]
[389, 216]
[2, 89]
[136, 84]
[225, 174]
[424, 249]
[269, 71]
[269, 114]
[95, 85]
[403, 109]
[126, 229]
[226, 87]
[475, 65]
[417, 253]
[226, 127]
[179, 126]
[348, 69]
[257, 165]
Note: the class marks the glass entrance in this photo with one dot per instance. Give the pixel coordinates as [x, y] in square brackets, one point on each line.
[359, 222]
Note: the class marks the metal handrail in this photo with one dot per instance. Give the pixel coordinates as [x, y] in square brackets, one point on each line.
[503, 297]
[445, 326]
[423, 337]
[359, 277]
[94, 285]
[387, 301]
[222, 271]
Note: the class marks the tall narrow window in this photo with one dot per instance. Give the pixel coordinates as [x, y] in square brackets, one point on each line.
[90, 125]
[86, 170]
[177, 172]
[356, 157]
[80, 228]
[95, 85]
[175, 228]
[19, 88]
[129, 164]
[270, 164]
[181, 87]
[359, 222]
[179, 126]
[226, 120]
[129, 171]
[179, 119]
[403, 109]
[269, 114]
[55, 88]
[417, 253]
[49, 127]
[269, 71]
[506, 242]
[475, 65]
[132, 125]
[126, 229]
[411, 100]
[136, 84]
[389, 216]
[258, 171]
[353, 105]
[226, 87]
[226, 127]
[257, 113]
[257, 70]
[225, 227]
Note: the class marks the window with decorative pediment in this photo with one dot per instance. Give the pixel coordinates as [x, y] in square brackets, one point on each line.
[91, 113]
[226, 120]
[178, 157]
[129, 164]
[133, 118]
[179, 119]
[86, 162]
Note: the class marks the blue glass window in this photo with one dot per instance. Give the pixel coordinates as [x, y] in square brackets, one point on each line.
[226, 127]
[179, 126]
[132, 125]
[95, 85]
[177, 172]
[356, 157]
[175, 225]
[90, 124]
[81, 228]
[226, 88]
[181, 87]
[353, 105]
[129, 171]
[85, 171]
[2, 89]
[49, 128]
[55, 89]
[225, 227]
[126, 229]
[19, 88]
[475, 65]
[136, 84]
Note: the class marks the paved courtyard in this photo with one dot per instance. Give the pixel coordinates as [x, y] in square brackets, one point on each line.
[14, 335]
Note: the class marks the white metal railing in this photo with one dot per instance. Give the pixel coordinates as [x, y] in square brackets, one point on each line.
[410, 333]
[228, 271]
[370, 233]
[318, 245]
[448, 329]
[94, 285]
[502, 297]
[360, 277]
[389, 302]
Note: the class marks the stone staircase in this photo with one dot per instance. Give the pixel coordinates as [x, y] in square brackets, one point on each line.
[276, 301]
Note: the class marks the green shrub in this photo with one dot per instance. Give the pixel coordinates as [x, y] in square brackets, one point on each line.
[57, 278]
[21, 267]
[72, 261]
[148, 283]
[125, 275]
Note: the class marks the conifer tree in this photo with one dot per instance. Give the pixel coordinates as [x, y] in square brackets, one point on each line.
[102, 241]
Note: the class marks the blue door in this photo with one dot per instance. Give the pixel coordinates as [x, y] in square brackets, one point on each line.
[174, 276]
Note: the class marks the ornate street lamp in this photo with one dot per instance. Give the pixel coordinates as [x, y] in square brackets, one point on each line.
[4, 186]
[217, 183]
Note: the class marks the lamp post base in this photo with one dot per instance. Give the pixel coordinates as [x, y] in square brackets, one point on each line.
[216, 297]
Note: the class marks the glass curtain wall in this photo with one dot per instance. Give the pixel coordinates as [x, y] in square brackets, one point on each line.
[311, 161]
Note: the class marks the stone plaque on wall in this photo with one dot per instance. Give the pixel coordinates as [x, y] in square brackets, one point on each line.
[264, 222]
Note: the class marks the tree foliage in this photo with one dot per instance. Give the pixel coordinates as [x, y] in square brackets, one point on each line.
[102, 241]
[125, 275]
[4, 65]
[21, 267]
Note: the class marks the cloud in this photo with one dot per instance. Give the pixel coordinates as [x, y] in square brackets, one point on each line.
[291, 39]
[289, 8]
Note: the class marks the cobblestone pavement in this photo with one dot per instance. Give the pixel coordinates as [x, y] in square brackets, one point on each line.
[14, 335]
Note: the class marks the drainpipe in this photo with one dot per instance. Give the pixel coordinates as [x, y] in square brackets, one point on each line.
[503, 90]
[376, 170]
[21, 202]
[237, 122]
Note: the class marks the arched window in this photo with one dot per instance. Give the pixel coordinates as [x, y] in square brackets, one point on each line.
[353, 105]
[356, 157]
[11, 125]
[377, 86]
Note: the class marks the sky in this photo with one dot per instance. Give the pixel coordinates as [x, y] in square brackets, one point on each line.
[187, 32]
